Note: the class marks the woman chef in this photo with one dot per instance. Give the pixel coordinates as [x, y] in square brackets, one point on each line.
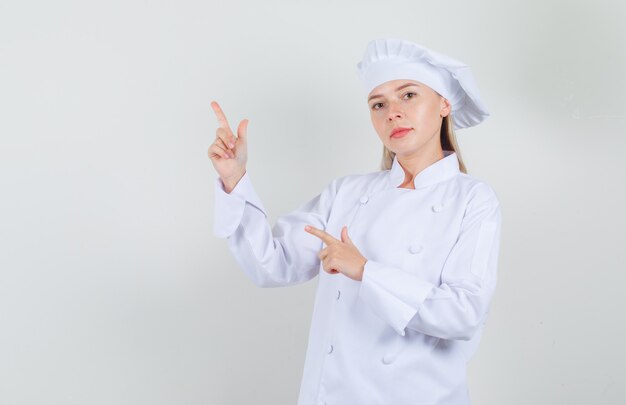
[409, 253]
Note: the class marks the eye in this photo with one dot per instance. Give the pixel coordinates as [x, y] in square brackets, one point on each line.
[374, 106]
[410, 92]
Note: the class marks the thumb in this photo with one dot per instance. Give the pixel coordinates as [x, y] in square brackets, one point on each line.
[344, 235]
[242, 131]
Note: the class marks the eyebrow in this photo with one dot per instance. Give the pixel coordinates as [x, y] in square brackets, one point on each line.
[399, 88]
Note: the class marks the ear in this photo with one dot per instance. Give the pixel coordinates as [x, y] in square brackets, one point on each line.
[445, 106]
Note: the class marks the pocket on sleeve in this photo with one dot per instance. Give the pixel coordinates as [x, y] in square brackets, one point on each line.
[483, 250]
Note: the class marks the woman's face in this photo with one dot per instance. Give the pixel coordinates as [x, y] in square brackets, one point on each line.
[408, 104]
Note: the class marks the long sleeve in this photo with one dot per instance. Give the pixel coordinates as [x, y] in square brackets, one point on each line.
[282, 255]
[458, 307]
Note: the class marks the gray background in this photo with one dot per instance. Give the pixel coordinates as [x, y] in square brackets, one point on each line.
[113, 289]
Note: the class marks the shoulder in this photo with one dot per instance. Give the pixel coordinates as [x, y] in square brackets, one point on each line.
[357, 181]
[477, 192]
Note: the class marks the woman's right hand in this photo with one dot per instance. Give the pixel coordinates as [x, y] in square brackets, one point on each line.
[229, 161]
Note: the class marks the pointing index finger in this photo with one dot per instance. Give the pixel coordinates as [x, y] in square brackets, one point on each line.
[221, 118]
[323, 235]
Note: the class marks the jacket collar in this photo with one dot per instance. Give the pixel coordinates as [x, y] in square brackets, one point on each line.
[441, 170]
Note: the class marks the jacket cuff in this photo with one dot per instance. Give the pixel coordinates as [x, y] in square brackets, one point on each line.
[229, 207]
[393, 294]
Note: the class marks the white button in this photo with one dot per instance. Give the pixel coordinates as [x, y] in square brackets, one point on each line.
[388, 359]
[338, 293]
[330, 349]
[364, 199]
[438, 207]
[416, 248]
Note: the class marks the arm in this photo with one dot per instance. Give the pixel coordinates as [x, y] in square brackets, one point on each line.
[458, 307]
[279, 256]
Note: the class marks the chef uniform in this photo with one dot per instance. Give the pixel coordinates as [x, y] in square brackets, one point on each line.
[404, 334]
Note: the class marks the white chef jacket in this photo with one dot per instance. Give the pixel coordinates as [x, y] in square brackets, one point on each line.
[404, 333]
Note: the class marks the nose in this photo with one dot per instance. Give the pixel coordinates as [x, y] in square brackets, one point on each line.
[394, 111]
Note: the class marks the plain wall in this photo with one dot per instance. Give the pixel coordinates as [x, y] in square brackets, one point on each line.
[113, 289]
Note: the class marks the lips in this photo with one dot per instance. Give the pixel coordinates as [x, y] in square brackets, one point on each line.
[398, 132]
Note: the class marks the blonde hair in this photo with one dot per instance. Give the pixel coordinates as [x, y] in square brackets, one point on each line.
[448, 142]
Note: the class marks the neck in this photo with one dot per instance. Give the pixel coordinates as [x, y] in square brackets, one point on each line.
[418, 161]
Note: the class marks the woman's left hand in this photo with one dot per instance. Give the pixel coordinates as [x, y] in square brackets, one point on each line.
[339, 256]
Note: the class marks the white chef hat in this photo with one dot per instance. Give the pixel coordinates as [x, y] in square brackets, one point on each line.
[393, 58]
